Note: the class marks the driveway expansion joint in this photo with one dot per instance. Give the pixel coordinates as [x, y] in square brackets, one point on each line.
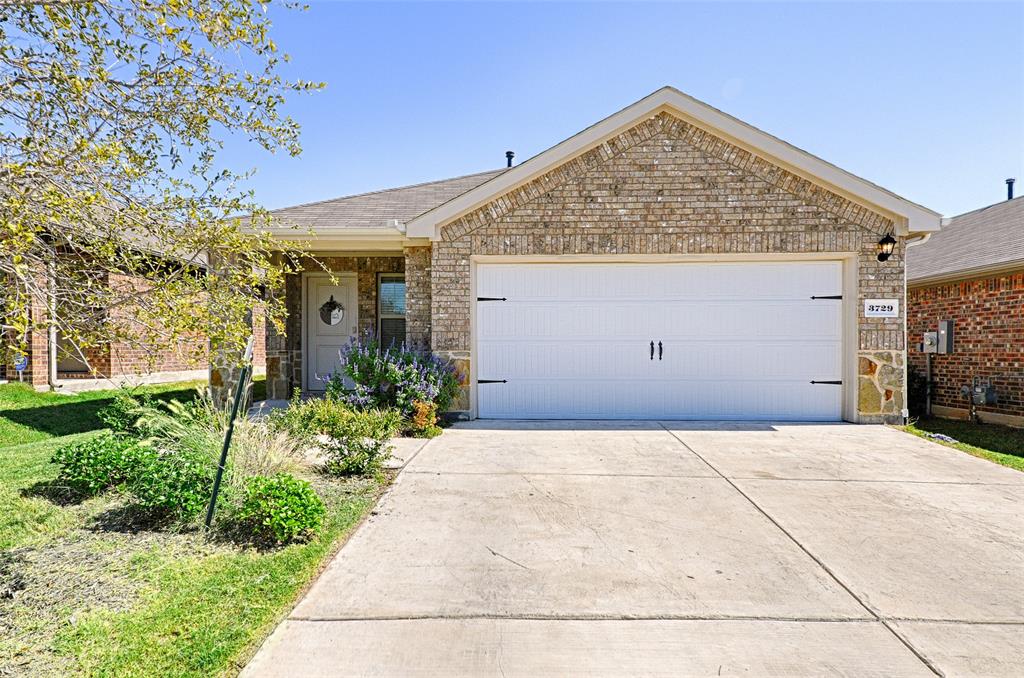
[917, 653]
[590, 618]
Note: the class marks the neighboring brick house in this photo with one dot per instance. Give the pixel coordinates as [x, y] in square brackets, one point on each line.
[668, 262]
[972, 272]
[118, 362]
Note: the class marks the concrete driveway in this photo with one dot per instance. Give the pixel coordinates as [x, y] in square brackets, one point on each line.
[674, 549]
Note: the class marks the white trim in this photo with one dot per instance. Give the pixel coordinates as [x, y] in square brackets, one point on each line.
[305, 278]
[908, 216]
[391, 240]
[851, 301]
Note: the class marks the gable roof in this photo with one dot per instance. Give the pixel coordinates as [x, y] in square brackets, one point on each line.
[908, 216]
[985, 240]
[377, 209]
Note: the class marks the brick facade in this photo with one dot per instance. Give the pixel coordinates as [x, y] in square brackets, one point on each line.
[988, 315]
[119, 359]
[284, 352]
[667, 187]
[417, 296]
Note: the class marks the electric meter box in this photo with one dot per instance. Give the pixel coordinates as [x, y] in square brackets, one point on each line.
[930, 343]
[944, 343]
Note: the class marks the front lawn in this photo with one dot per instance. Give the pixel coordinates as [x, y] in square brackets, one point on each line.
[87, 588]
[1000, 444]
[27, 415]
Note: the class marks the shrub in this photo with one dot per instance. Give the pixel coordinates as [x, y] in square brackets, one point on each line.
[392, 376]
[280, 508]
[917, 392]
[196, 426]
[96, 464]
[354, 442]
[259, 449]
[423, 423]
[176, 484]
[122, 414]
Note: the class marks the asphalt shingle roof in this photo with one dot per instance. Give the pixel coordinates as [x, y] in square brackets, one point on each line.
[376, 209]
[986, 238]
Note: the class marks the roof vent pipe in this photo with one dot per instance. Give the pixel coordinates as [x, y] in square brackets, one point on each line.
[508, 157]
[1009, 188]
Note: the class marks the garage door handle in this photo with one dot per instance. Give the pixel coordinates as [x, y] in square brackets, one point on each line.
[652, 350]
[659, 350]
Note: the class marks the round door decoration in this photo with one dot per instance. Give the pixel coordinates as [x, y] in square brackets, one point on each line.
[332, 312]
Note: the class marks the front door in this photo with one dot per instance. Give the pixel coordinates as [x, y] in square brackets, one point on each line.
[331, 317]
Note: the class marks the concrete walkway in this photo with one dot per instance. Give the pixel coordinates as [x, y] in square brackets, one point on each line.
[675, 549]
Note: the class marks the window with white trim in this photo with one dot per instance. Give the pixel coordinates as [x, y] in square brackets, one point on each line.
[391, 309]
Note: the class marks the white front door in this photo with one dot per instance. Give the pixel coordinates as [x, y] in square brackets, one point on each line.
[331, 315]
[660, 341]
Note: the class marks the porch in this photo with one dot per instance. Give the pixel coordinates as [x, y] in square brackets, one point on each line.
[340, 295]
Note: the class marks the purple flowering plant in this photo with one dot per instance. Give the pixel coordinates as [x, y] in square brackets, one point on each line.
[392, 376]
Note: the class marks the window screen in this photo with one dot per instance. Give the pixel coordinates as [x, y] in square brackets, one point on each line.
[391, 310]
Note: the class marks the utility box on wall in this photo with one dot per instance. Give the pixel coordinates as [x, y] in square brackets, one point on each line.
[944, 343]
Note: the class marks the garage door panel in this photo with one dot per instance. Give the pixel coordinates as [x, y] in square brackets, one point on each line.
[753, 319]
[739, 340]
[565, 360]
[750, 361]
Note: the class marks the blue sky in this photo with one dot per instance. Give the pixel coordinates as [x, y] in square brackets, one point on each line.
[924, 99]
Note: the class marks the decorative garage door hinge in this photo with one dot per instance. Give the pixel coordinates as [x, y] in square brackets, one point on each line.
[829, 296]
[492, 381]
[491, 299]
[837, 383]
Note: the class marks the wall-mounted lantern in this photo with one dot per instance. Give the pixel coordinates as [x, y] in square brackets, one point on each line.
[886, 246]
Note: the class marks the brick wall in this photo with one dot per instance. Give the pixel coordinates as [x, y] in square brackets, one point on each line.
[144, 355]
[666, 187]
[417, 296]
[988, 315]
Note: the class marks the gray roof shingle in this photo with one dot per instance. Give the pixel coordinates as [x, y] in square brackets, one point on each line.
[378, 208]
[990, 237]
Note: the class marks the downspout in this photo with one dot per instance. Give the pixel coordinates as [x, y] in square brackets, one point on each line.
[911, 242]
[51, 322]
[919, 240]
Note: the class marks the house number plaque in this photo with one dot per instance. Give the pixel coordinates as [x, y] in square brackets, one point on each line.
[881, 308]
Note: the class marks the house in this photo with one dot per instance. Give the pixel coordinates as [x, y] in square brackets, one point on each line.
[54, 362]
[972, 272]
[669, 261]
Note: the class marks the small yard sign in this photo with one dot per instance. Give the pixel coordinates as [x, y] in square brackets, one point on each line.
[21, 362]
[881, 308]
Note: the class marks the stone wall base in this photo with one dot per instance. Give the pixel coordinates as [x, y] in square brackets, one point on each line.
[461, 361]
[881, 386]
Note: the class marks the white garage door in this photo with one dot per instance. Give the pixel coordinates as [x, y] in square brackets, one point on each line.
[684, 341]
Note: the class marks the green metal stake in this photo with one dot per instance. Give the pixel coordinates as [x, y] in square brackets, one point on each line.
[239, 392]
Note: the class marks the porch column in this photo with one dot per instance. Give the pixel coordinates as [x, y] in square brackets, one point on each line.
[281, 347]
[417, 297]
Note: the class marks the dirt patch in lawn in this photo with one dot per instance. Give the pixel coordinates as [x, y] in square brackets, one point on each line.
[45, 588]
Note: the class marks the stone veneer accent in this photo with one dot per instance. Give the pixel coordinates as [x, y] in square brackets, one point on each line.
[284, 352]
[668, 187]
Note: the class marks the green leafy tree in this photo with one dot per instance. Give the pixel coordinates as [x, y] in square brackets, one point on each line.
[112, 118]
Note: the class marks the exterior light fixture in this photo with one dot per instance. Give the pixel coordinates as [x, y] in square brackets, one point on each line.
[886, 246]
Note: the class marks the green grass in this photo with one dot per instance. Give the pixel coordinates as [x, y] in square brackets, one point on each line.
[108, 601]
[27, 517]
[1000, 444]
[203, 615]
[27, 415]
